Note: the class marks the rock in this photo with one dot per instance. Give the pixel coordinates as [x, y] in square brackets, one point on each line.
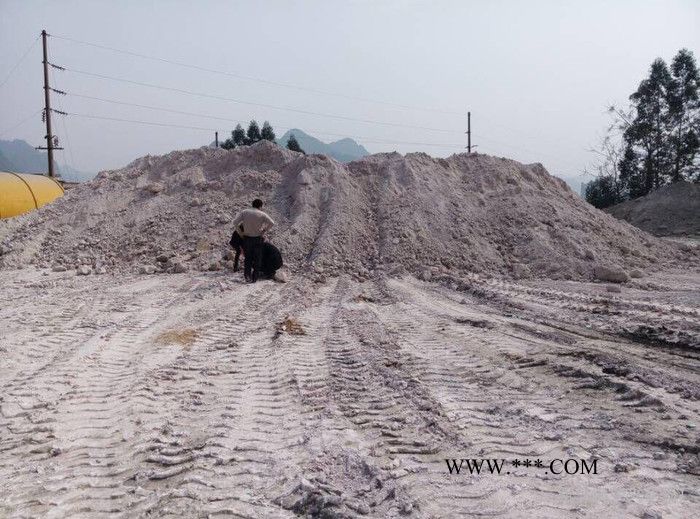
[622, 467]
[147, 269]
[652, 514]
[406, 508]
[154, 188]
[83, 270]
[613, 288]
[5, 249]
[59, 268]
[610, 274]
[180, 268]
[426, 275]
[398, 270]
[101, 270]
[521, 271]
[396, 241]
[636, 273]
[281, 276]
[162, 258]
[214, 265]
[588, 254]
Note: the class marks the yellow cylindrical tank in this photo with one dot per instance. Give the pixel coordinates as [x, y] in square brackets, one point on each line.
[22, 192]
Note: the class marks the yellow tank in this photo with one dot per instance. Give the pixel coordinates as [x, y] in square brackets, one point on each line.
[21, 192]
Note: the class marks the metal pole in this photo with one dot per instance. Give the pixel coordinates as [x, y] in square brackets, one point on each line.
[216, 139]
[469, 132]
[47, 107]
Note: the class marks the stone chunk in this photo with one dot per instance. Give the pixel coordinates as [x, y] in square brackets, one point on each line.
[610, 274]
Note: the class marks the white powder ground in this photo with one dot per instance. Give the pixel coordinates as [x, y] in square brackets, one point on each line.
[386, 212]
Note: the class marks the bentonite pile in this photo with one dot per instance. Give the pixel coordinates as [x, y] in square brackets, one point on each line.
[387, 213]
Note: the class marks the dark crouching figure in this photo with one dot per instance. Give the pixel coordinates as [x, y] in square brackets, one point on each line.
[271, 260]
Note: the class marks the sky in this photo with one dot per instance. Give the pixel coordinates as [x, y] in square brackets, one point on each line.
[537, 76]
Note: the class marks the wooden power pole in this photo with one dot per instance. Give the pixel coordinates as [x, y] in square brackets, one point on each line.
[469, 132]
[47, 106]
[216, 139]
[47, 110]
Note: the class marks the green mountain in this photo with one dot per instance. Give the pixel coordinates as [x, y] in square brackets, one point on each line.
[344, 150]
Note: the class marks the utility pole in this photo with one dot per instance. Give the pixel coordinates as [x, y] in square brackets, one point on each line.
[47, 109]
[216, 139]
[469, 132]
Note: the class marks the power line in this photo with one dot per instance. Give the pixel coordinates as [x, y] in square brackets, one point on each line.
[19, 62]
[262, 105]
[168, 125]
[88, 116]
[258, 80]
[250, 103]
[234, 121]
[292, 86]
[63, 121]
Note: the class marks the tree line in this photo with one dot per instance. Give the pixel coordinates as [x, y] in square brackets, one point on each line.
[656, 139]
[241, 137]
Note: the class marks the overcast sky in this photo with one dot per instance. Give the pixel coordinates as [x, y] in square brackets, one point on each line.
[536, 75]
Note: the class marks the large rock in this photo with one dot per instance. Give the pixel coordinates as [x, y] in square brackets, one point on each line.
[147, 269]
[610, 274]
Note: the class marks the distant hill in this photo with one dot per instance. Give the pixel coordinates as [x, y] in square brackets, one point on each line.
[672, 210]
[22, 157]
[344, 150]
[5, 164]
[17, 155]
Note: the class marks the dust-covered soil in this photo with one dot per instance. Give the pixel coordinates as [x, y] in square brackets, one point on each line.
[195, 395]
[672, 210]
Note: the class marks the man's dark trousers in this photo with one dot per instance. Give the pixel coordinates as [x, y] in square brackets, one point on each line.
[251, 265]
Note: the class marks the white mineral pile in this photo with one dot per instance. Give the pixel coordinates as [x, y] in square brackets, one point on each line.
[386, 212]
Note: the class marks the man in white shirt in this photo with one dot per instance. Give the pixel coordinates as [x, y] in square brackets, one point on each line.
[255, 224]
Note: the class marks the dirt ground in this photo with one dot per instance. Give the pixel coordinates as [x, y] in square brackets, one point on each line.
[195, 395]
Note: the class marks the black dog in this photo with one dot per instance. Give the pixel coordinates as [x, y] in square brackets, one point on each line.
[271, 260]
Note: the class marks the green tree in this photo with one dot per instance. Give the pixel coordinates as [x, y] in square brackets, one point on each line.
[647, 133]
[253, 133]
[631, 178]
[684, 116]
[228, 144]
[267, 133]
[601, 192]
[238, 135]
[293, 144]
